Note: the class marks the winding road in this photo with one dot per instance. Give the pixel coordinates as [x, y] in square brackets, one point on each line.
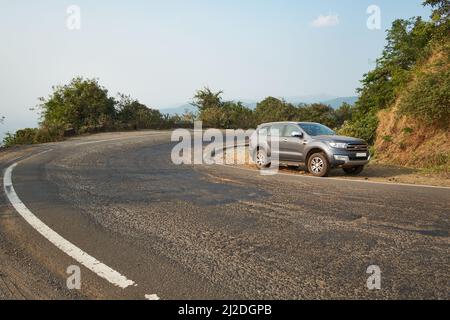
[141, 227]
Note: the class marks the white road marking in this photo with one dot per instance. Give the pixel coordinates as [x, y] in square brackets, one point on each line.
[118, 139]
[67, 247]
[97, 141]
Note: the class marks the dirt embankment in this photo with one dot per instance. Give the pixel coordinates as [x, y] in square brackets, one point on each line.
[408, 142]
[412, 142]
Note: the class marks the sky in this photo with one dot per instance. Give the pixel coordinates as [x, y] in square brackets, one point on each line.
[160, 52]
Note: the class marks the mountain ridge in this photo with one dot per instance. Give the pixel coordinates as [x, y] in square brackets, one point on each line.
[335, 103]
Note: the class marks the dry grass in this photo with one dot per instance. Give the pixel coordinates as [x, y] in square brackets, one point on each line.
[408, 142]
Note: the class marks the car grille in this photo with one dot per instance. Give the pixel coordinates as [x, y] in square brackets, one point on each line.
[358, 147]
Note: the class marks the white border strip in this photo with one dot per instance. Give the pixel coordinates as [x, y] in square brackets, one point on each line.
[67, 247]
[122, 138]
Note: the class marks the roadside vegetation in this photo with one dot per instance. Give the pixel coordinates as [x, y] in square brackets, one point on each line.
[214, 112]
[414, 126]
[410, 45]
[84, 106]
[403, 109]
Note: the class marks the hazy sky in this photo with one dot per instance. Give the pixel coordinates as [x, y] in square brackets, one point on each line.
[162, 51]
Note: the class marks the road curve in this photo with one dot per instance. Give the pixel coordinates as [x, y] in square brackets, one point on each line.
[214, 232]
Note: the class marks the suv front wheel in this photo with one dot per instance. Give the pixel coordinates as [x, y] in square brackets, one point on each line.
[318, 165]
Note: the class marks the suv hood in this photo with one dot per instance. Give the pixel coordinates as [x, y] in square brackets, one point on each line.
[340, 139]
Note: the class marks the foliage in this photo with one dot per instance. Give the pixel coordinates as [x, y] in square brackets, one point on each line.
[24, 136]
[343, 114]
[408, 130]
[409, 44]
[205, 99]
[139, 116]
[83, 106]
[363, 126]
[318, 112]
[214, 112]
[429, 98]
[30, 136]
[273, 110]
[83, 103]
[441, 10]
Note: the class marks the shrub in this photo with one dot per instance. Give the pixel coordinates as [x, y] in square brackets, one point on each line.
[363, 127]
[429, 99]
[81, 103]
[408, 131]
[23, 136]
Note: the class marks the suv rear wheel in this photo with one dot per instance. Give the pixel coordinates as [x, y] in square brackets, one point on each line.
[261, 159]
[318, 165]
[354, 171]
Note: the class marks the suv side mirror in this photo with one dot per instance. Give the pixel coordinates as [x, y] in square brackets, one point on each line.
[297, 134]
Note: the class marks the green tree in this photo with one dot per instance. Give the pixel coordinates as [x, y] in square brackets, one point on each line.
[188, 117]
[318, 112]
[23, 136]
[139, 116]
[205, 99]
[272, 110]
[441, 10]
[83, 103]
[407, 44]
[238, 116]
[216, 113]
[344, 113]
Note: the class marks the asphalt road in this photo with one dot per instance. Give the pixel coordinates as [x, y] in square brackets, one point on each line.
[214, 232]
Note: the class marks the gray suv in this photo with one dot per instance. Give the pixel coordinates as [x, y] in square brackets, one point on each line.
[312, 144]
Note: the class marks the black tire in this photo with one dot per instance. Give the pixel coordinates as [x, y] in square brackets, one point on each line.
[261, 159]
[354, 171]
[318, 165]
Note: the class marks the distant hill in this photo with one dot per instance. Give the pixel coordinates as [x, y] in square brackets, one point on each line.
[334, 103]
[179, 110]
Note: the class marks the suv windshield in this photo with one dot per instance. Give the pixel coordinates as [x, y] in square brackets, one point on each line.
[315, 129]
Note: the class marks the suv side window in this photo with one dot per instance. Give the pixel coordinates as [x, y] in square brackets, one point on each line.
[264, 131]
[277, 129]
[289, 130]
